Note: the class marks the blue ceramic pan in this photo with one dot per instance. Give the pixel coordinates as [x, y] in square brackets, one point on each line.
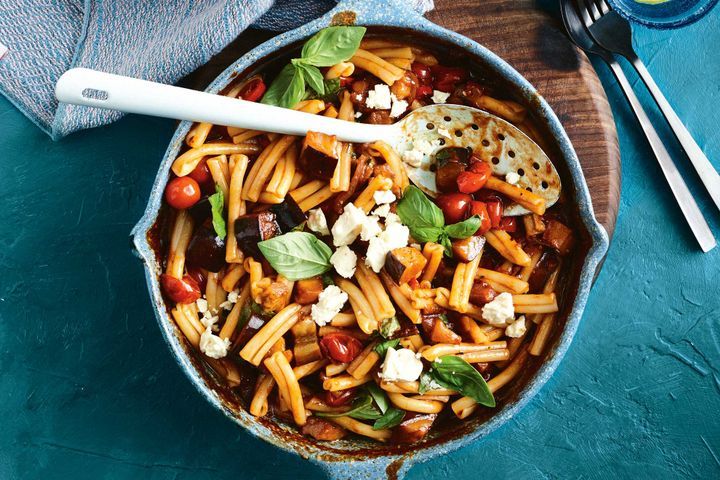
[356, 458]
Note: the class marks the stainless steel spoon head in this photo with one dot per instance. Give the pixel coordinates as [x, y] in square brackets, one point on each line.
[427, 130]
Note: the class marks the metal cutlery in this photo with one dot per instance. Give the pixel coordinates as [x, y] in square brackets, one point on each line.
[576, 28]
[613, 32]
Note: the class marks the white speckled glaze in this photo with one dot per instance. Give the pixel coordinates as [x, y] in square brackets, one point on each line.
[353, 459]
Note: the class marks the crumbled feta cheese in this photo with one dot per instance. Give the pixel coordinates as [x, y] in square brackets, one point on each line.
[382, 210]
[233, 296]
[413, 158]
[517, 328]
[443, 132]
[394, 236]
[416, 246]
[512, 178]
[398, 106]
[500, 312]
[426, 147]
[212, 345]
[370, 228]
[208, 320]
[227, 305]
[391, 218]
[439, 97]
[401, 365]
[348, 225]
[344, 261]
[384, 196]
[358, 114]
[202, 305]
[329, 304]
[379, 97]
[317, 222]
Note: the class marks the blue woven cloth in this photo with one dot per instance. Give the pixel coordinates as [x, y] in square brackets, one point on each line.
[161, 40]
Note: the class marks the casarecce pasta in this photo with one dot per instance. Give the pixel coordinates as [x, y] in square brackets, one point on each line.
[307, 266]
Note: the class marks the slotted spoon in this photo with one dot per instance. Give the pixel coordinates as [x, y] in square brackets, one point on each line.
[426, 130]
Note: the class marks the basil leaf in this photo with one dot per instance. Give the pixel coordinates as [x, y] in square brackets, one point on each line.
[217, 204]
[332, 45]
[362, 409]
[444, 240]
[392, 418]
[379, 396]
[424, 219]
[295, 91]
[279, 86]
[297, 255]
[389, 327]
[457, 374]
[382, 347]
[427, 382]
[312, 76]
[463, 229]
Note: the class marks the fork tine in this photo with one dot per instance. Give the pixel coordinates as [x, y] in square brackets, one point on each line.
[603, 6]
[592, 8]
[584, 14]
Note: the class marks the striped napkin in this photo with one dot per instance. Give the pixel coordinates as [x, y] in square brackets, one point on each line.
[158, 40]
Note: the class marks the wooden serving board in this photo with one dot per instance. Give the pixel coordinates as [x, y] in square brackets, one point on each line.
[535, 45]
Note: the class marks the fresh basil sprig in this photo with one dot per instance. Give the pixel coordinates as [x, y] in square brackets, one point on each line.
[456, 374]
[217, 205]
[297, 255]
[427, 222]
[371, 404]
[329, 46]
[382, 347]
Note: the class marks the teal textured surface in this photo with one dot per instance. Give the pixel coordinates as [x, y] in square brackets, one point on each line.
[89, 389]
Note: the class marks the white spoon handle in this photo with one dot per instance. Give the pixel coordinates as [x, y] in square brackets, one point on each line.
[81, 86]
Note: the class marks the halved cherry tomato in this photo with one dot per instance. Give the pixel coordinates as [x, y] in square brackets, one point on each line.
[478, 166]
[454, 206]
[445, 78]
[480, 209]
[339, 398]
[495, 209]
[340, 347]
[509, 224]
[254, 90]
[181, 291]
[423, 91]
[182, 192]
[345, 81]
[422, 72]
[201, 174]
[472, 181]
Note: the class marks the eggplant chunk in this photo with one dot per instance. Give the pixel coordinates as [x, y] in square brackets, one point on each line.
[201, 211]
[319, 155]
[321, 429]
[405, 263]
[559, 237]
[288, 214]
[308, 290]
[307, 348]
[253, 325]
[254, 228]
[413, 428]
[467, 249]
[206, 250]
[437, 331]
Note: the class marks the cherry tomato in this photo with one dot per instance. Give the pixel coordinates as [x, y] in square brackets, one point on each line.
[445, 78]
[345, 81]
[339, 398]
[509, 224]
[423, 91]
[340, 347]
[454, 206]
[480, 209]
[495, 209]
[182, 192]
[422, 72]
[201, 174]
[254, 90]
[181, 291]
[478, 166]
[471, 182]
[199, 277]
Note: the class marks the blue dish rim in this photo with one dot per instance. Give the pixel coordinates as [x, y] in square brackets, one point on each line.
[692, 18]
[376, 13]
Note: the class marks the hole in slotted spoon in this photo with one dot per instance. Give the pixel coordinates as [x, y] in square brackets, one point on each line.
[512, 154]
[529, 189]
[458, 133]
[485, 143]
[521, 172]
[500, 137]
[474, 126]
[536, 165]
[447, 119]
[441, 141]
[495, 160]
[544, 185]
